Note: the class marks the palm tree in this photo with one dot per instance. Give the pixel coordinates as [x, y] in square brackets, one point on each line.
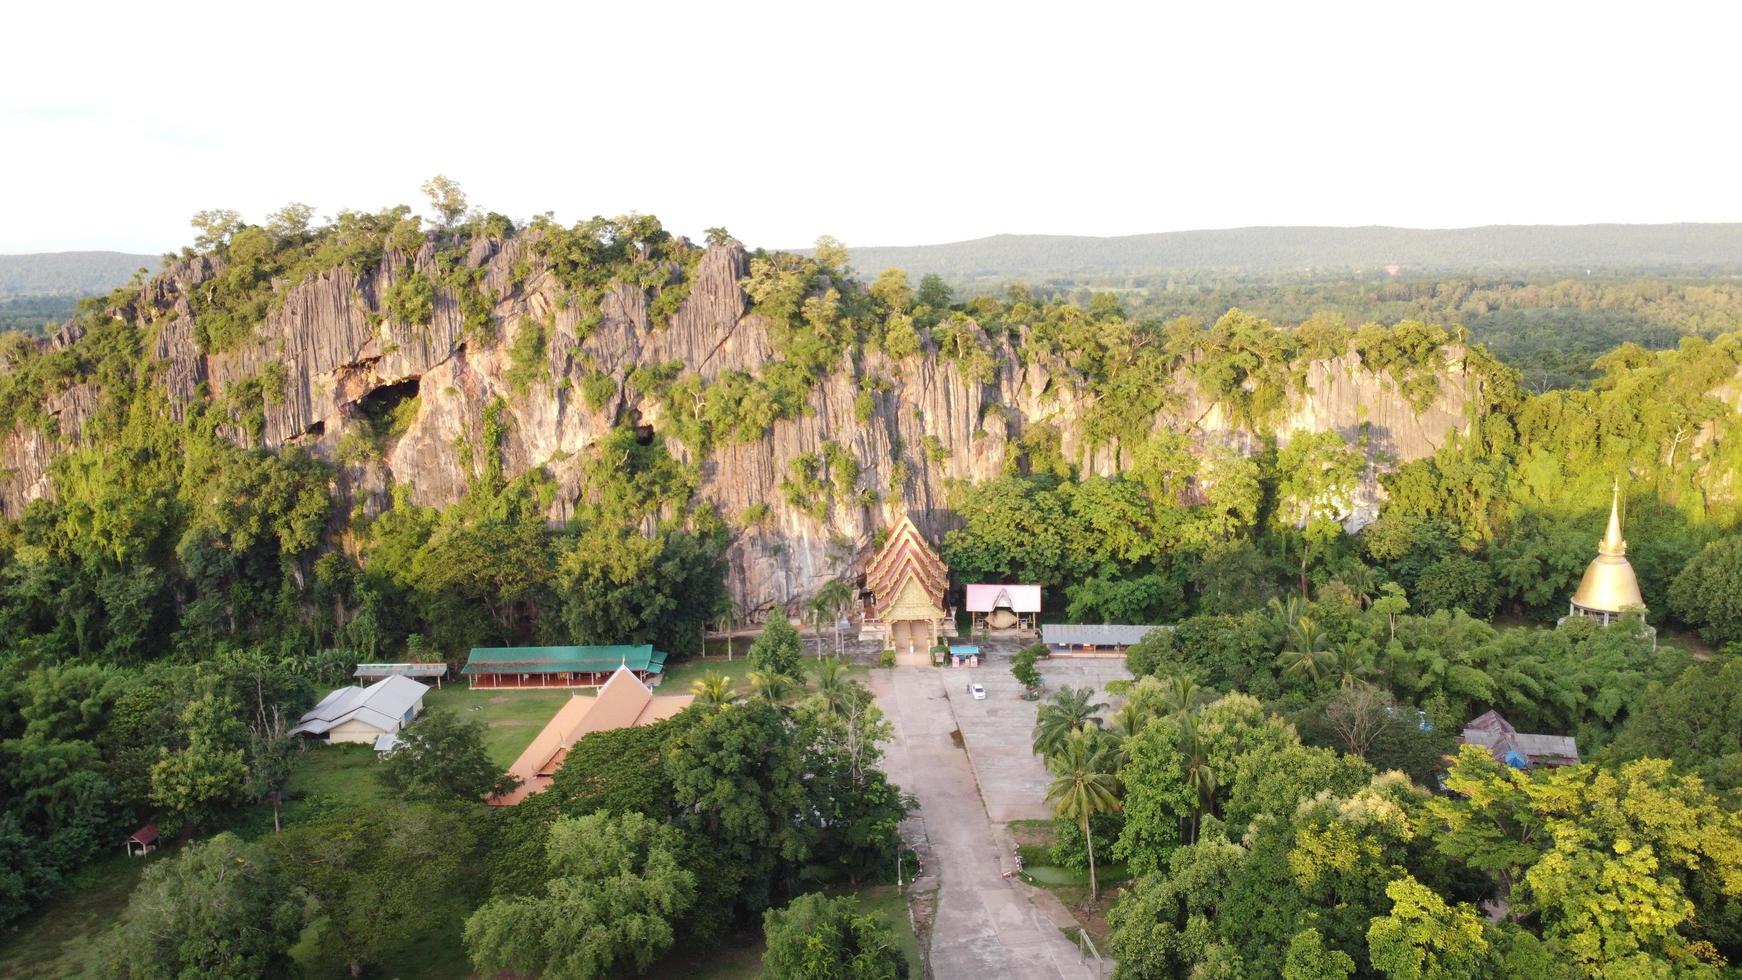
[727, 614]
[770, 686]
[1184, 695]
[832, 684]
[713, 690]
[1362, 581]
[1200, 775]
[1069, 710]
[1305, 652]
[1350, 663]
[1123, 725]
[1083, 787]
[834, 598]
[1283, 615]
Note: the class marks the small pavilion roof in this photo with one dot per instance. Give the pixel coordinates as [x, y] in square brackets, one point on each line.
[1018, 598]
[401, 670]
[145, 835]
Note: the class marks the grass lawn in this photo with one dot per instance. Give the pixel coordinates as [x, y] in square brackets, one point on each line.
[56, 941]
[741, 959]
[511, 718]
[678, 676]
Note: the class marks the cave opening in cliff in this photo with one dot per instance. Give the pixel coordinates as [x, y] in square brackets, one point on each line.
[390, 409]
[644, 435]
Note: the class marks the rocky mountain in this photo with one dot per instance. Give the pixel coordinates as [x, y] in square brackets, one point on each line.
[327, 361]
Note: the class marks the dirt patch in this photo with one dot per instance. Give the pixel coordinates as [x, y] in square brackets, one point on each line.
[1093, 917]
[501, 699]
[1031, 833]
[956, 739]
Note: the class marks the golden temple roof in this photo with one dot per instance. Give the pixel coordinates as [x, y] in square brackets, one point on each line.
[1609, 584]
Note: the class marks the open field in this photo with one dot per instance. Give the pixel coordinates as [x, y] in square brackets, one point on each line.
[511, 718]
[55, 941]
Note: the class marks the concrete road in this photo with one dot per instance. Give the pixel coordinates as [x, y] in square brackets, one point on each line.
[999, 731]
[986, 926]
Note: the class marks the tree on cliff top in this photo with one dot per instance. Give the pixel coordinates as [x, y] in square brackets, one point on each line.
[446, 198]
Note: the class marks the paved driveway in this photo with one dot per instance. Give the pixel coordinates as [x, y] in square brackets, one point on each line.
[999, 731]
[985, 927]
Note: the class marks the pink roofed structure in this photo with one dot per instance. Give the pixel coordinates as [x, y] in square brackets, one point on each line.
[623, 702]
[1002, 607]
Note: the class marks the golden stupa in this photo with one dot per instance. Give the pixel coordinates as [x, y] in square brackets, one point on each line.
[1609, 587]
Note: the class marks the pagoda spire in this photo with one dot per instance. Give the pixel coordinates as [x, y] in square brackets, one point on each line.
[1613, 543]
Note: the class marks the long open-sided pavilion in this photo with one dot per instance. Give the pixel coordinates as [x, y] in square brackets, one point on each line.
[511, 668]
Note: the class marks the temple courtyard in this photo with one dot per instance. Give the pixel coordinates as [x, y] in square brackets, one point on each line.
[969, 765]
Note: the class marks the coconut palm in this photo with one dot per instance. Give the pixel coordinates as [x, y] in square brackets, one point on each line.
[1200, 775]
[1083, 786]
[832, 684]
[834, 598]
[727, 615]
[1068, 710]
[1183, 695]
[1283, 615]
[713, 690]
[1306, 651]
[770, 686]
[1350, 663]
[1123, 725]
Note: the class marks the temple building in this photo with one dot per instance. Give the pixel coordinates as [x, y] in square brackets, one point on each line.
[623, 702]
[1609, 587]
[905, 582]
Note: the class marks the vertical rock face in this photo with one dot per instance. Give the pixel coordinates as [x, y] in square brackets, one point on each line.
[336, 359]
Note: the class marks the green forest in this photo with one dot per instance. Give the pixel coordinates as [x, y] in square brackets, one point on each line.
[1271, 777]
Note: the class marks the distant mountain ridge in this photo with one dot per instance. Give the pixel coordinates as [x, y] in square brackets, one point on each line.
[1683, 248]
[69, 273]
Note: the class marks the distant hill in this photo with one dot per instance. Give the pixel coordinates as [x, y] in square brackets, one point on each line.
[69, 273]
[1681, 248]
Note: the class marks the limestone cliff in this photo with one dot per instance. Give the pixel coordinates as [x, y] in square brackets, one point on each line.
[334, 351]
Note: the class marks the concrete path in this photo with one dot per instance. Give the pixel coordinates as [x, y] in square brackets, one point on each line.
[986, 926]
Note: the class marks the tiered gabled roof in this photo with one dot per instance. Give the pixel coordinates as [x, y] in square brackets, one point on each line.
[907, 569]
[623, 702]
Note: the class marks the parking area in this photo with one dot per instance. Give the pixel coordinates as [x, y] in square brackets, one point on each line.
[998, 731]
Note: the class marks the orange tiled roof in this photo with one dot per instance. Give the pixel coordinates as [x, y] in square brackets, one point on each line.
[623, 702]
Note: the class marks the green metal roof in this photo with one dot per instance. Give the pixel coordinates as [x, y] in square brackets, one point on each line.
[562, 660]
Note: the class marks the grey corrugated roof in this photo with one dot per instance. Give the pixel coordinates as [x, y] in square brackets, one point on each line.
[382, 704]
[402, 670]
[1103, 634]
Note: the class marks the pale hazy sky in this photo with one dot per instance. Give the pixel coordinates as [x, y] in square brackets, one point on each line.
[879, 123]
